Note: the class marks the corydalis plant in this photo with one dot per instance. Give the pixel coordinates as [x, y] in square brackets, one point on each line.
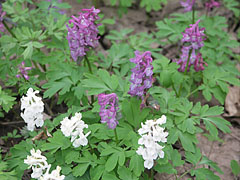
[141, 78]
[212, 4]
[23, 71]
[41, 168]
[32, 107]
[188, 5]
[74, 127]
[84, 32]
[193, 38]
[151, 134]
[108, 109]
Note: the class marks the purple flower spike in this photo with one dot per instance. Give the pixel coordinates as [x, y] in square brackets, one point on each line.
[211, 4]
[108, 109]
[23, 71]
[193, 37]
[141, 77]
[188, 4]
[84, 32]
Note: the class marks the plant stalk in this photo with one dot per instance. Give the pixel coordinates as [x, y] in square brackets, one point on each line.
[185, 72]
[116, 137]
[8, 29]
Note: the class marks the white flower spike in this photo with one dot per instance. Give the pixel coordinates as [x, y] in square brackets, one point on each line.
[151, 134]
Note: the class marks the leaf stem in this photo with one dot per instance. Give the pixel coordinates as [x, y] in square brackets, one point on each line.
[116, 137]
[185, 72]
[89, 65]
[195, 90]
[8, 29]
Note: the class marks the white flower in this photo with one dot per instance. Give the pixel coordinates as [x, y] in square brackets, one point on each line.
[55, 174]
[74, 128]
[151, 134]
[39, 165]
[32, 107]
[162, 120]
[148, 163]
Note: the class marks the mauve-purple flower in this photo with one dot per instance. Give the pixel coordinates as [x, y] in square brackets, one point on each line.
[188, 4]
[23, 71]
[84, 32]
[193, 38]
[211, 4]
[141, 78]
[108, 109]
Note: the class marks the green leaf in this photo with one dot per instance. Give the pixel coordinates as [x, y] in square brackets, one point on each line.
[173, 135]
[205, 174]
[188, 141]
[27, 54]
[111, 162]
[165, 168]
[193, 158]
[124, 173]
[132, 112]
[235, 167]
[121, 158]
[71, 156]
[210, 163]
[136, 165]
[96, 173]
[80, 169]
[176, 158]
[6, 101]
[56, 142]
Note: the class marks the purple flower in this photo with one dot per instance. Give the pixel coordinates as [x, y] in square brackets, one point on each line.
[188, 4]
[193, 38]
[1, 19]
[108, 109]
[198, 64]
[83, 34]
[23, 71]
[141, 77]
[211, 4]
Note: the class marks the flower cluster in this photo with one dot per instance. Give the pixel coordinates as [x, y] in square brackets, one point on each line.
[188, 5]
[74, 127]
[141, 77]
[23, 71]
[33, 109]
[108, 109]
[1, 19]
[211, 4]
[39, 165]
[151, 133]
[83, 33]
[194, 37]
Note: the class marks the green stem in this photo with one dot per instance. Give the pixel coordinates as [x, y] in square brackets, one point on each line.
[90, 69]
[89, 65]
[116, 137]
[185, 72]
[175, 90]
[9, 30]
[152, 174]
[195, 90]
[184, 174]
[193, 15]
[96, 4]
